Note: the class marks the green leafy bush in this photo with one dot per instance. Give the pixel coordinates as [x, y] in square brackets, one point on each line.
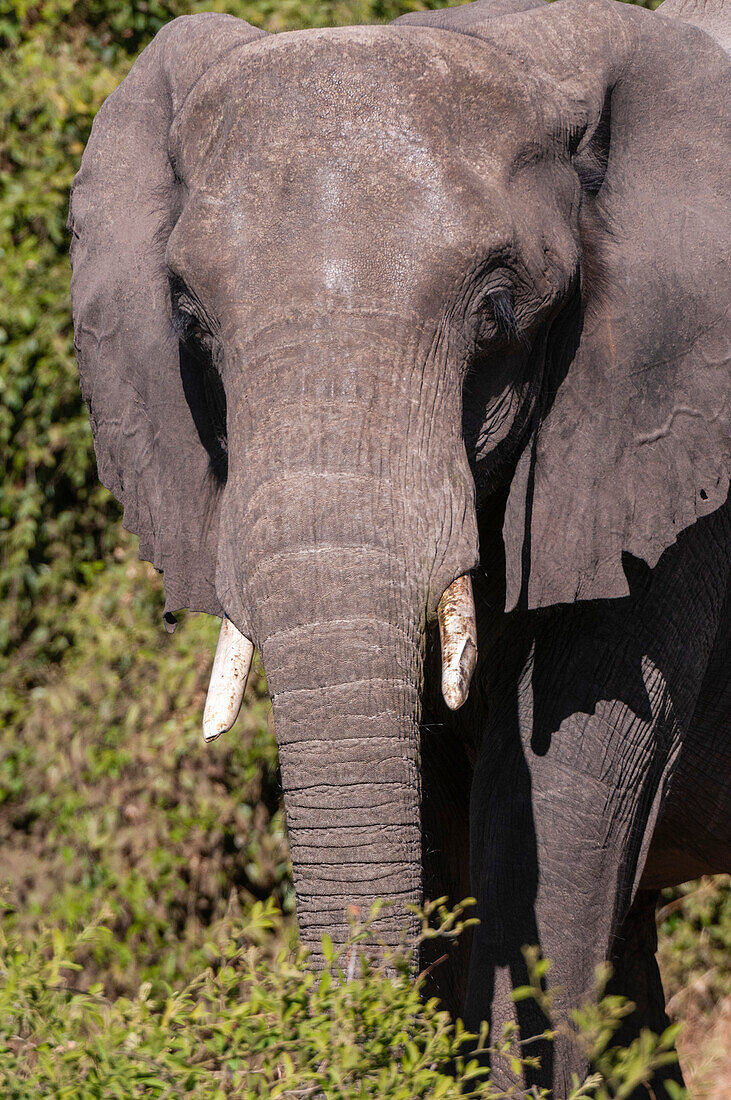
[251, 1026]
[109, 798]
[695, 939]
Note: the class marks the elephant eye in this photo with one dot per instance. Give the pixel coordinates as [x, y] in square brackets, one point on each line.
[185, 323]
[185, 316]
[496, 322]
[500, 303]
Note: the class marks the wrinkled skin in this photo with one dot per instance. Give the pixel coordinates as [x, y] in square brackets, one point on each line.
[360, 311]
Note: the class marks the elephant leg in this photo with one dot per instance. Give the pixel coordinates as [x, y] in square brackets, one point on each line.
[636, 975]
[555, 853]
[693, 837]
[589, 707]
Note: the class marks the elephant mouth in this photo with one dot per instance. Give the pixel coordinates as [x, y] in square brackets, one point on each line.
[457, 632]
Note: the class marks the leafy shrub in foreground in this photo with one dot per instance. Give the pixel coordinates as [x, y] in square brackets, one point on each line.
[695, 939]
[250, 1027]
[110, 799]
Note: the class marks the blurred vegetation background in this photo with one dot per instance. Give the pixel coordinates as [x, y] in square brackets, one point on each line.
[109, 803]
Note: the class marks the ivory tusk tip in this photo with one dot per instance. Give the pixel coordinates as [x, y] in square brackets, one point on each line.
[455, 694]
[456, 681]
[458, 631]
[454, 697]
[216, 723]
[211, 733]
[231, 667]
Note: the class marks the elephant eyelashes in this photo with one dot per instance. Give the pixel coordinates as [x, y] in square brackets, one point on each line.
[506, 323]
[591, 163]
[185, 320]
[496, 319]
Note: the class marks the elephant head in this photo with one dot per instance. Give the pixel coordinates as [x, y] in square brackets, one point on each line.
[336, 290]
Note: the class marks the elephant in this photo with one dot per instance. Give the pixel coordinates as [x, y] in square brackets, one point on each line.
[403, 343]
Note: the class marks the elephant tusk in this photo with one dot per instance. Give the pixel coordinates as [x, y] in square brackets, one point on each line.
[458, 633]
[229, 674]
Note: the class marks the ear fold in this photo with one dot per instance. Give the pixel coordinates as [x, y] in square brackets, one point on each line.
[125, 201]
[633, 443]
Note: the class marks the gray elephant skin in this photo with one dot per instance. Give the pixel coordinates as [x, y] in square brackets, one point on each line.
[362, 311]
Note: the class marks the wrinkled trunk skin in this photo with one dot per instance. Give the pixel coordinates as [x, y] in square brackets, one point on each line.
[341, 531]
[340, 642]
[349, 760]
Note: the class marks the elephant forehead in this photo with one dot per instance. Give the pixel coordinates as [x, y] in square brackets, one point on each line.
[354, 111]
[348, 161]
[329, 81]
[322, 245]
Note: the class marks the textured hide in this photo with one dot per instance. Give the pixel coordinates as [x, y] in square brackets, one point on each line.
[633, 444]
[124, 204]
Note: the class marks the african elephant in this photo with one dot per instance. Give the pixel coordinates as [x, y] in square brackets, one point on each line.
[364, 312]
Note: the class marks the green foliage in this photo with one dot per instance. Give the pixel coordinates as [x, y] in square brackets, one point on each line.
[695, 939]
[591, 1026]
[109, 798]
[249, 1026]
[54, 517]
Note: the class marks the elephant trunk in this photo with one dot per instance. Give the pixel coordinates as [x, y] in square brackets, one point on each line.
[343, 521]
[346, 716]
[340, 638]
[357, 849]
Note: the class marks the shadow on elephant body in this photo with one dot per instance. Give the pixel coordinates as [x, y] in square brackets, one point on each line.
[449, 752]
[505, 873]
[597, 650]
[584, 710]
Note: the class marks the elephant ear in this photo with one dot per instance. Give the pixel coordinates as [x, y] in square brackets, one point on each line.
[633, 441]
[634, 445]
[125, 201]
